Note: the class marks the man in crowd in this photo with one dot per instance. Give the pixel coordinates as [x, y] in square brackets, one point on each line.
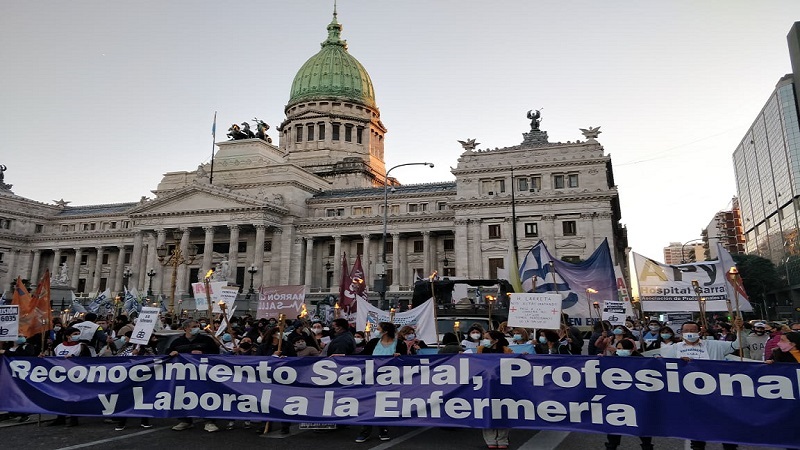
[343, 342]
[92, 332]
[692, 347]
[196, 343]
[756, 341]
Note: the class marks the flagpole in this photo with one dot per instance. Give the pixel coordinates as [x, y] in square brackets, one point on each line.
[514, 219]
[213, 147]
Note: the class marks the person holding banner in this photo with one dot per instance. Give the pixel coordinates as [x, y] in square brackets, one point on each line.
[625, 348]
[788, 350]
[549, 343]
[72, 346]
[387, 344]
[494, 342]
[473, 337]
[342, 342]
[409, 336]
[274, 344]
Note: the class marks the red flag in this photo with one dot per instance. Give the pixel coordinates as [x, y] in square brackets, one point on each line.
[35, 316]
[21, 297]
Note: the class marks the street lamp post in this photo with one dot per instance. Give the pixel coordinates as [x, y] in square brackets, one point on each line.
[252, 271]
[382, 283]
[150, 274]
[175, 259]
[126, 275]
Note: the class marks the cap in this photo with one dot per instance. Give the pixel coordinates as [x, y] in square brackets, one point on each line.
[759, 325]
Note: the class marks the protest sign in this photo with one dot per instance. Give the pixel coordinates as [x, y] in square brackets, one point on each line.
[535, 311]
[145, 324]
[227, 295]
[421, 318]
[9, 322]
[276, 300]
[614, 312]
[201, 298]
[588, 394]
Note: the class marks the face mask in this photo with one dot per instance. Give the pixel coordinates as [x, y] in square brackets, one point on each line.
[618, 331]
[21, 340]
[785, 346]
[760, 332]
[75, 338]
[194, 331]
[119, 343]
[203, 324]
[245, 346]
[227, 337]
[691, 337]
[475, 335]
[486, 343]
[300, 345]
[666, 336]
[654, 327]
[56, 328]
[316, 330]
[411, 336]
[542, 340]
[623, 352]
[258, 341]
[517, 337]
[359, 341]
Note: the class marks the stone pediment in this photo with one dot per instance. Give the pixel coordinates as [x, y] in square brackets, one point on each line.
[201, 198]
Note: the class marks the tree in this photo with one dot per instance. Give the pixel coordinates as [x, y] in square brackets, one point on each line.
[759, 276]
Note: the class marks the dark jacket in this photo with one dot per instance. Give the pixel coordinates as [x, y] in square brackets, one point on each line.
[450, 348]
[341, 344]
[401, 346]
[268, 349]
[779, 355]
[202, 342]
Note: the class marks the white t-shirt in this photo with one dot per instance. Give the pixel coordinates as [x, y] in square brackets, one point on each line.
[67, 350]
[683, 350]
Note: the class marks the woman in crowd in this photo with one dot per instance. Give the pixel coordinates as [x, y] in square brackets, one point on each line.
[625, 348]
[788, 349]
[519, 336]
[473, 337]
[361, 342]
[273, 340]
[607, 345]
[386, 344]
[245, 348]
[409, 336]
[597, 331]
[505, 329]
[495, 342]
[549, 343]
[318, 333]
[450, 344]
[301, 347]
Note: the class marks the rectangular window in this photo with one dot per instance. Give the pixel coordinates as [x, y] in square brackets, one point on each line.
[298, 133]
[334, 212]
[356, 210]
[332, 250]
[389, 277]
[221, 247]
[501, 185]
[487, 187]
[321, 131]
[105, 258]
[310, 128]
[494, 264]
[84, 260]
[531, 230]
[64, 228]
[536, 183]
[126, 224]
[441, 206]
[558, 181]
[85, 227]
[570, 228]
[39, 228]
[389, 246]
[419, 246]
[573, 180]
[413, 207]
[360, 135]
[522, 184]
[241, 247]
[423, 207]
[127, 259]
[1, 257]
[449, 271]
[113, 225]
[449, 244]
[268, 246]
[368, 210]
[348, 133]
[359, 248]
[494, 231]
[335, 131]
[63, 260]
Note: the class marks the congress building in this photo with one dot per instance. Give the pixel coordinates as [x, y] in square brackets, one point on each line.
[284, 214]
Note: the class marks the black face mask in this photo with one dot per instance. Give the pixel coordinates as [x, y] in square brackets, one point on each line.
[245, 346]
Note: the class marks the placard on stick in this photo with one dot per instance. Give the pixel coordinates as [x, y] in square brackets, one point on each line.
[145, 324]
[532, 310]
[9, 322]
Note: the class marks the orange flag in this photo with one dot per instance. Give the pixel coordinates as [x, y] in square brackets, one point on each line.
[35, 315]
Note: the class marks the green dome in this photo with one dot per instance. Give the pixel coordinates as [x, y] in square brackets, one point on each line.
[333, 72]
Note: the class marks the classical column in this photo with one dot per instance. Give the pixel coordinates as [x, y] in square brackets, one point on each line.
[136, 259]
[233, 251]
[295, 261]
[76, 268]
[278, 257]
[337, 263]
[98, 269]
[548, 231]
[309, 262]
[395, 261]
[151, 262]
[475, 262]
[10, 276]
[426, 252]
[208, 249]
[56, 263]
[158, 282]
[37, 259]
[258, 254]
[183, 269]
[118, 269]
[365, 258]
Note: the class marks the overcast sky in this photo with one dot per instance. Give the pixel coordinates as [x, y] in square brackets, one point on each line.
[98, 99]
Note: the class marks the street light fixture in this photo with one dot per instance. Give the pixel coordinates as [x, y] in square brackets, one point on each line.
[175, 259]
[150, 274]
[252, 271]
[382, 284]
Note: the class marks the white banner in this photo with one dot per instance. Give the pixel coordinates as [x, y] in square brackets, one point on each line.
[669, 288]
[421, 318]
[9, 322]
[227, 295]
[200, 298]
[145, 324]
[535, 311]
[615, 312]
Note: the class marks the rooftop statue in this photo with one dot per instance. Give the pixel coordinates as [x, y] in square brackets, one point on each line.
[235, 133]
[247, 131]
[469, 144]
[590, 133]
[262, 130]
[535, 119]
[3, 185]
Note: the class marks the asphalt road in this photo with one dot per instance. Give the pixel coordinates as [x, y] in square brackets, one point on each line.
[93, 433]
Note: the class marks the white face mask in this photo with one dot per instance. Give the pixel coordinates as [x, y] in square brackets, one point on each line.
[316, 330]
[486, 343]
[259, 339]
[359, 341]
[691, 337]
[475, 335]
[411, 336]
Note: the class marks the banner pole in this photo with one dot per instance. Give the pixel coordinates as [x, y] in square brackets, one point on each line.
[734, 274]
